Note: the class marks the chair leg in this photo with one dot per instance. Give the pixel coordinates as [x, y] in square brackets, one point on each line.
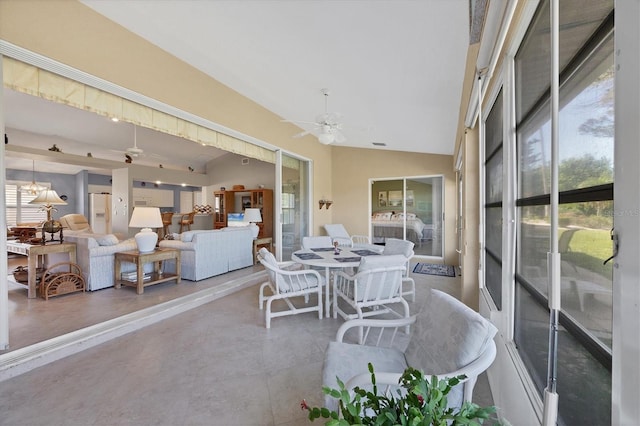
[412, 285]
[267, 313]
[261, 295]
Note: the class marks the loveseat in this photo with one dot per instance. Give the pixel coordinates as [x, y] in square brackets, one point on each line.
[207, 253]
[447, 339]
[96, 256]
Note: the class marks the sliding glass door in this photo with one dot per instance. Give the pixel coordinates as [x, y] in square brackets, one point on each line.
[292, 204]
[409, 208]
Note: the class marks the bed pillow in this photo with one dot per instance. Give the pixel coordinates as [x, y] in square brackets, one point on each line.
[401, 216]
[382, 216]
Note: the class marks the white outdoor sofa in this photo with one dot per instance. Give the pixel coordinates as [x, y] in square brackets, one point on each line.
[447, 339]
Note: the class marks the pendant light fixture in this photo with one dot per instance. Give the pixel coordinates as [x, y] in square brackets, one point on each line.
[33, 188]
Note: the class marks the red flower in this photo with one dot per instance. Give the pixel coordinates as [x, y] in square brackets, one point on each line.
[420, 399]
[303, 405]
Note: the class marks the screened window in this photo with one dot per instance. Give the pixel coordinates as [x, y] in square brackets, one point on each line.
[586, 200]
[18, 209]
[493, 206]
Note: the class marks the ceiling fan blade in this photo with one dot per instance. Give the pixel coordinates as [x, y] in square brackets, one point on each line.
[299, 122]
[301, 134]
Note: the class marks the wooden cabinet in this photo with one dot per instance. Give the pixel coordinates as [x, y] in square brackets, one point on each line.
[223, 203]
[263, 199]
[260, 199]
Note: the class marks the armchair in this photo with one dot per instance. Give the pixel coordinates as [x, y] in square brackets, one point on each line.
[75, 222]
[286, 284]
[405, 248]
[316, 242]
[338, 233]
[460, 344]
[377, 284]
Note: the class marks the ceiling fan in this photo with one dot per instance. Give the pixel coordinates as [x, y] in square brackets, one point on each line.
[327, 126]
[133, 151]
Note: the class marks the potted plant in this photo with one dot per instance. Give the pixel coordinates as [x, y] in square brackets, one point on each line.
[419, 402]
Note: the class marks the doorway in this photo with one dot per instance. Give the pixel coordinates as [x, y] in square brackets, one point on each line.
[409, 208]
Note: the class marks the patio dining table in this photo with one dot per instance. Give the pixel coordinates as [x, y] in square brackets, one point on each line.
[327, 258]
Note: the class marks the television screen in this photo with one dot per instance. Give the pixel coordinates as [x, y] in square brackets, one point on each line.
[236, 219]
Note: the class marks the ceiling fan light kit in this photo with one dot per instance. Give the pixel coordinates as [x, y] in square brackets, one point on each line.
[326, 138]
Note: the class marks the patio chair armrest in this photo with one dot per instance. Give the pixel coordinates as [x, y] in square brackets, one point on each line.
[373, 323]
[287, 264]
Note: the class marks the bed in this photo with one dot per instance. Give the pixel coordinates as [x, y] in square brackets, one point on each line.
[390, 225]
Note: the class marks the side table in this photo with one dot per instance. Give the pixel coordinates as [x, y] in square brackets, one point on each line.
[157, 276]
[33, 253]
[261, 242]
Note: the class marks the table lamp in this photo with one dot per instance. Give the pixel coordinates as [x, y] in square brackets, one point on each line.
[49, 198]
[146, 218]
[252, 216]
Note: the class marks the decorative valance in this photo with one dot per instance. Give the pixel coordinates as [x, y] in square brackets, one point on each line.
[29, 79]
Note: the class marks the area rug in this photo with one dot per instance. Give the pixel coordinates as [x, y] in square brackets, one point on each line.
[434, 269]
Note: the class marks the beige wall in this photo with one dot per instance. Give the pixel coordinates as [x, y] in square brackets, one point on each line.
[71, 33]
[471, 218]
[352, 169]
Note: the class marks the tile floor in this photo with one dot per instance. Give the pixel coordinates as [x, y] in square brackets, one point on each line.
[213, 365]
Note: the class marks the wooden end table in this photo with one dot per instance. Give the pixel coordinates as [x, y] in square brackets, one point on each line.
[34, 252]
[261, 242]
[157, 276]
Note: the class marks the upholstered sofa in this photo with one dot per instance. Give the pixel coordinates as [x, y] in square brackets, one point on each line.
[207, 253]
[95, 254]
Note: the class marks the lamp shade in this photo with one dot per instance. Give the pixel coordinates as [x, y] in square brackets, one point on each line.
[252, 215]
[146, 218]
[48, 197]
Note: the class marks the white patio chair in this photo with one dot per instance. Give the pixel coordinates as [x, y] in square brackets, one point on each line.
[316, 242]
[377, 284]
[286, 284]
[405, 248]
[338, 233]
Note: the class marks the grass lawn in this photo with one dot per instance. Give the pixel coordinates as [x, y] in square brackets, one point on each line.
[589, 248]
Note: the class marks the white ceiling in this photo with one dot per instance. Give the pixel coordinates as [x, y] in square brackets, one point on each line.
[394, 69]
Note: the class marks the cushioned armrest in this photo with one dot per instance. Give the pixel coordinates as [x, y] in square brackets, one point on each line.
[180, 245]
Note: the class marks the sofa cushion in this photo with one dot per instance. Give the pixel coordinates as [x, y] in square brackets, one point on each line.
[106, 239]
[187, 236]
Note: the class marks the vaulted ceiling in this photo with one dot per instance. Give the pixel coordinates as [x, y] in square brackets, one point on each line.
[394, 68]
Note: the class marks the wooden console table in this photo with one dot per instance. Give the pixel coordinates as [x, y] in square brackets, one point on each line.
[259, 243]
[34, 252]
[157, 276]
